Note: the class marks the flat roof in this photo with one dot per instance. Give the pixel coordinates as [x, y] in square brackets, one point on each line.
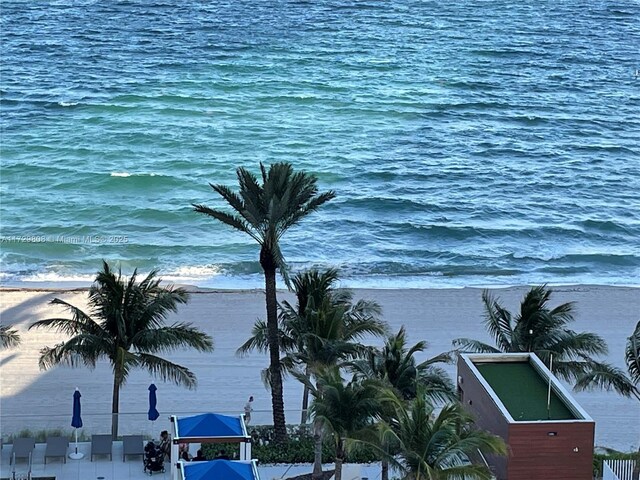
[523, 391]
[518, 383]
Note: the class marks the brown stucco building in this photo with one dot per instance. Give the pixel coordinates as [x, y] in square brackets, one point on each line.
[515, 396]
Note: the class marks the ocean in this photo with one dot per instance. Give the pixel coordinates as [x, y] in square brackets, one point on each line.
[469, 143]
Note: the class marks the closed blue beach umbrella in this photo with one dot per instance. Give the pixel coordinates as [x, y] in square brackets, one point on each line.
[76, 423]
[153, 401]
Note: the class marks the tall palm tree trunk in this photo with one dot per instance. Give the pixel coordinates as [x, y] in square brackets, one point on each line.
[305, 398]
[277, 396]
[385, 469]
[115, 403]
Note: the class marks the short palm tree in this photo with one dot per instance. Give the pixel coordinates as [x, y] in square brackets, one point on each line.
[395, 367]
[330, 339]
[323, 330]
[125, 325]
[344, 410]
[9, 337]
[543, 330]
[437, 446]
[265, 211]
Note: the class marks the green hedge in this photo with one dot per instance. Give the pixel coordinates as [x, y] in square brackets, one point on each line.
[298, 448]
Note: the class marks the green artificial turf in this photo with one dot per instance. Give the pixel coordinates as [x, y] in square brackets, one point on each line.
[523, 391]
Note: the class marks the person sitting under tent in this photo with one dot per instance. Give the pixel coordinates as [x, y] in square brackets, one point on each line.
[199, 457]
[222, 455]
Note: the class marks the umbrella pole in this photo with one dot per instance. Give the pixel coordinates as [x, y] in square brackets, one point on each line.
[76, 455]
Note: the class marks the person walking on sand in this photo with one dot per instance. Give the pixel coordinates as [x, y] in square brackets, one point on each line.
[248, 408]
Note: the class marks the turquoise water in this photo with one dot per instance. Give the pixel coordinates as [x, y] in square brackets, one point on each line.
[469, 142]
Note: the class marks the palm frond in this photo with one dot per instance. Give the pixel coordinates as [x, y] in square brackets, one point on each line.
[632, 355]
[258, 341]
[497, 321]
[571, 345]
[79, 323]
[607, 377]
[473, 346]
[83, 349]
[170, 338]
[9, 337]
[228, 219]
[167, 371]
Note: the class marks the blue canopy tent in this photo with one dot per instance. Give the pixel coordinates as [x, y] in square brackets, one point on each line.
[211, 428]
[219, 470]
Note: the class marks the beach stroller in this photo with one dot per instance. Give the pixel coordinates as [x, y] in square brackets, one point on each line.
[153, 458]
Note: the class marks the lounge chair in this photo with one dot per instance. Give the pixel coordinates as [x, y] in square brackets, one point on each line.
[22, 448]
[132, 445]
[101, 445]
[56, 447]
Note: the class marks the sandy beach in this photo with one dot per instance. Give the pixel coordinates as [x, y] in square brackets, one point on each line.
[34, 399]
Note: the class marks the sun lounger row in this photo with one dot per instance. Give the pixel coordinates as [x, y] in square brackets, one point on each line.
[57, 447]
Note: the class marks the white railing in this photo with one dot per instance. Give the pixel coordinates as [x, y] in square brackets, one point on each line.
[619, 470]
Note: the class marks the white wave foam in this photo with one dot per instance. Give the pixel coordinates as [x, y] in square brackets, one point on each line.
[56, 277]
[127, 174]
[192, 273]
[67, 104]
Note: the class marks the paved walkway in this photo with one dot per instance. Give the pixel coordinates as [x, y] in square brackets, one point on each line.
[100, 469]
[104, 469]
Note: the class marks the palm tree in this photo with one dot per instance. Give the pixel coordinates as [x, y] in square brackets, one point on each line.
[344, 410]
[330, 338]
[394, 366]
[9, 337]
[326, 324]
[125, 324]
[437, 447]
[265, 212]
[542, 330]
[323, 330]
[311, 284]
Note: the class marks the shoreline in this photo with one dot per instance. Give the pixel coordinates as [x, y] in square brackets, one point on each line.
[195, 289]
[225, 380]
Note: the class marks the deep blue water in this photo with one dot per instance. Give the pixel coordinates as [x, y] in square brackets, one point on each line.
[469, 142]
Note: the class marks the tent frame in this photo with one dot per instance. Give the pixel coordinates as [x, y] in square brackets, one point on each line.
[244, 440]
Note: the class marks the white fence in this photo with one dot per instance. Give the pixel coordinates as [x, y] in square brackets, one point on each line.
[619, 470]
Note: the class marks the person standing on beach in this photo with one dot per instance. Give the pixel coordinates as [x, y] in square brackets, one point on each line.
[248, 408]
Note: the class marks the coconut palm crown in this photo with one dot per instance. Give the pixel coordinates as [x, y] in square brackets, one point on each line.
[125, 324]
[438, 446]
[322, 329]
[345, 410]
[543, 330]
[396, 366]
